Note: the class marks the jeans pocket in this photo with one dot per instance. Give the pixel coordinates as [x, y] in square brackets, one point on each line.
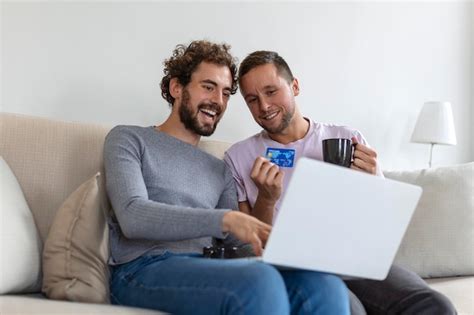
[128, 270]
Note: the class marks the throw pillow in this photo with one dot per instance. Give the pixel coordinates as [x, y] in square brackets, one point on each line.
[20, 245]
[439, 241]
[75, 252]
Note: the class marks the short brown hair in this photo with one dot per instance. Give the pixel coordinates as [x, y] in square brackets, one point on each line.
[185, 60]
[263, 57]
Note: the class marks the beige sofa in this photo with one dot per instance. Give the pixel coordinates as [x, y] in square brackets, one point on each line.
[51, 159]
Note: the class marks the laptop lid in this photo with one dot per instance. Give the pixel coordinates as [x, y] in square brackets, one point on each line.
[337, 220]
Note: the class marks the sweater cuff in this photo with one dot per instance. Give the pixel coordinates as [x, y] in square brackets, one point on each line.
[216, 224]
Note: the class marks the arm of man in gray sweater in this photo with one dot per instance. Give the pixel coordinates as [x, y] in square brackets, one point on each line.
[143, 218]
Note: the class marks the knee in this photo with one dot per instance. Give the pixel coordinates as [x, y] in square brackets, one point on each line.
[335, 295]
[332, 286]
[425, 301]
[328, 293]
[441, 304]
[263, 290]
[264, 279]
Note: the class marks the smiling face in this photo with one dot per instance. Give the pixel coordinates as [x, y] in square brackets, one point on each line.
[203, 101]
[270, 97]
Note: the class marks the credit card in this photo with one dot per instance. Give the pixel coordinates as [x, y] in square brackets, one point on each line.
[281, 157]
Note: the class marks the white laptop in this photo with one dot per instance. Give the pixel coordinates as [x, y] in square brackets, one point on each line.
[337, 220]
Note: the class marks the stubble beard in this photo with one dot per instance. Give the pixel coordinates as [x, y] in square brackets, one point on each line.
[285, 122]
[190, 118]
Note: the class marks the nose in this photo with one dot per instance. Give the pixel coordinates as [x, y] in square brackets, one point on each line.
[264, 105]
[218, 98]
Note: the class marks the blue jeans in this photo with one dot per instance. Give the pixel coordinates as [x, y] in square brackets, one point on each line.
[190, 284]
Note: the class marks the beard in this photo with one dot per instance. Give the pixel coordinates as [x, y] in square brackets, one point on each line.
[190, 118]
[285, 122]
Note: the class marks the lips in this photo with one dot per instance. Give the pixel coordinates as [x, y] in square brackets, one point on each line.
[269, 116]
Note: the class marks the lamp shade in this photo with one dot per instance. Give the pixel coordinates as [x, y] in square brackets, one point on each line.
[435, 124]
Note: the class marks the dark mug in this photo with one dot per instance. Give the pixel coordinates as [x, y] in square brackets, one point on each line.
[338, 151]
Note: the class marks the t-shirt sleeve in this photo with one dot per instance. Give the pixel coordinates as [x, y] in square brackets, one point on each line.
[239, 182]
[360, 138]
[138, 216]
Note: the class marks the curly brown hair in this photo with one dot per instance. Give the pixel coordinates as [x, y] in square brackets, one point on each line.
[185, 60]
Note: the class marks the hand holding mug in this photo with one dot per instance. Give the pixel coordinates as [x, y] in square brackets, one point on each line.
[365, 158]
[350, 153]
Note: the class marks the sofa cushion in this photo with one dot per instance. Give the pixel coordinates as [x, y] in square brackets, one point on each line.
[20, 245]
[38, 305]
[50, 158]
[213, 147]
[76, 250]
[439, 241]
[459, 290]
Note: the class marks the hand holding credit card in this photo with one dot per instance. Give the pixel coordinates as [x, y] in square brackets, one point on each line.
[268, 177]
[281, 157]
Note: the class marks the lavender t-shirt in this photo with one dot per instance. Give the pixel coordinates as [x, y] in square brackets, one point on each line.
[241, 156]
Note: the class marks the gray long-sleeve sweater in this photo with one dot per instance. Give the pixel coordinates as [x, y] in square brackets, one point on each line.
[167, 195]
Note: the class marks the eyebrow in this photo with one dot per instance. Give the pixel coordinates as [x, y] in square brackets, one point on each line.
[208, 81]
[270, 86]
[266, 87]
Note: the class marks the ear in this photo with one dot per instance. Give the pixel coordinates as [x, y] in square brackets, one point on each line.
[295, 86]
[175, 88]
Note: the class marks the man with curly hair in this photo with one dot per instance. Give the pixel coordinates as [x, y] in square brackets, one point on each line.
[171, 199]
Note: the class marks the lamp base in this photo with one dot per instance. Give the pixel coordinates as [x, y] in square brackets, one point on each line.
[431, 155]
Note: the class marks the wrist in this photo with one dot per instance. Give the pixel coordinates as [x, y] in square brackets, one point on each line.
[267, 201]
[227, 221]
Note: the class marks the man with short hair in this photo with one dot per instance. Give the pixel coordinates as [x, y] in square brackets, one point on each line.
[269, 89]
[170, 199]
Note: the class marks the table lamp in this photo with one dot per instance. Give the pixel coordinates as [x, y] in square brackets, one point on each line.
[435, 125]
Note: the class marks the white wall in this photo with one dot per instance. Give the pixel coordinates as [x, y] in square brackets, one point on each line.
[370, 65]
[472, 80]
